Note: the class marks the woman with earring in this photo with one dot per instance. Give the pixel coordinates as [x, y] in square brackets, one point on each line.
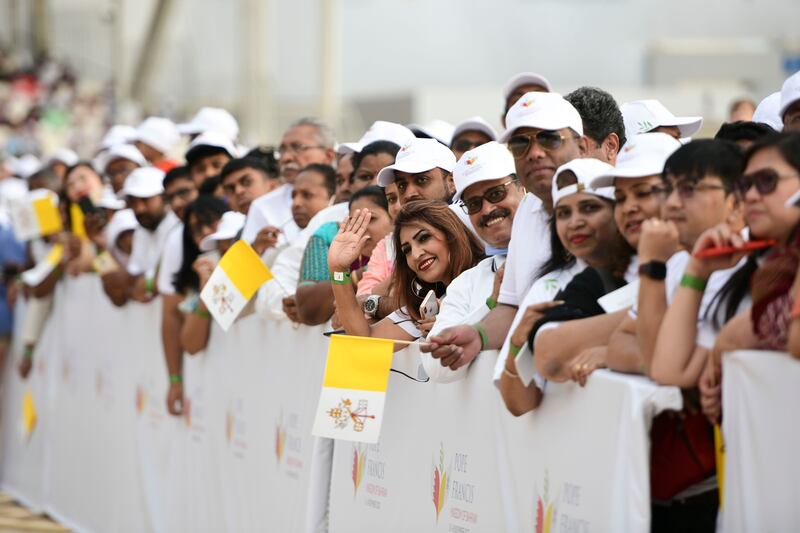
[433, 247]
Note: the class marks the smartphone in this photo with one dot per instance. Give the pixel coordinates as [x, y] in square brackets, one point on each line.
[729, 250]
[794, 200]
[86, 205]
[430, 306]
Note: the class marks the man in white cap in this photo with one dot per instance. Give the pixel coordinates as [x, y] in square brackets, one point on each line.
[155, 138]
[144, 192]
[488, 191]
[520, 84]
[543, 131]
[211, 119]
[790, 104]
[118, 162]
[645, 116]
[471, 133]
[207, 154]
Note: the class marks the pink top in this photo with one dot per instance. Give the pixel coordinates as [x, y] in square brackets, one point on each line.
[380, 266]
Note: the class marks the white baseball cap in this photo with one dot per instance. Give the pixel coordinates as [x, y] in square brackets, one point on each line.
[643, 155]
[525, 78]
[158, 132]
[26, 166]
[123, 220]
[474, 124]
[642, 116]
[490, 161]
[144, 182]
[213, 119]
[65, 156]
[118, 134]
[379, 131]
[228, 228]
[213, 139]
[435, 129]
[768, 113]
[109, 200]
[418, 155]
[546, 111]
[586, 170]
[121, 151]
[790, 93]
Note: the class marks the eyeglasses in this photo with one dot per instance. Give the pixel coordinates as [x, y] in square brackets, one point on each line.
[295, 148]
[494, 195]
[765, 181]
[465, 145]
[183, 193]
[641, 193]
[687, 187]
[520, 144]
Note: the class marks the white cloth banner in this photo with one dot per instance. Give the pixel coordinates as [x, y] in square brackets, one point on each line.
[760, 392]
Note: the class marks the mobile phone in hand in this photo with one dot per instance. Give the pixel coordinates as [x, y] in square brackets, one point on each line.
[86, 205]
[430, 306]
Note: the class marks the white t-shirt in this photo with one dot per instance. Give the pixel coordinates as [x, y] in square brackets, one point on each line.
[149, 245]
[171, 261]
[272, 209]
[528, 251]
[465, 304]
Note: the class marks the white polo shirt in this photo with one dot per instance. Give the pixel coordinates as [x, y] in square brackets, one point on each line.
[465, 303]
[272, 209]
[528, 251]
[171, 261]
[148, 246]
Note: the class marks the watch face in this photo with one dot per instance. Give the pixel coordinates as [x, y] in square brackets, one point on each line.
[370, 304]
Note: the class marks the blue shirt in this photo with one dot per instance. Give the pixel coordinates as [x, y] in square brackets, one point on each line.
[11, 252]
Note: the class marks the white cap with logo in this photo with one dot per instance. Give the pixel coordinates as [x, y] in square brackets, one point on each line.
[643, 155]
[525, 78]
[379, 131]
[228, 228]
[144, 183]
[790, 93]
[767, 112]
[418, 155]
[545, 111]
[490, 161]
[158, 132]
[586, 170]
[642, 116]
[475, 124]
[213, 119]
[213, 139]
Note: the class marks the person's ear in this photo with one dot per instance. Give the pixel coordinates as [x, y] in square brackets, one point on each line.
[583, 145]
[449, 183]
[611, 147]
[734, 207]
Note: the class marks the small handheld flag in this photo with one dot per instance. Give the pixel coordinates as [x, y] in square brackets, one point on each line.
[36, 215]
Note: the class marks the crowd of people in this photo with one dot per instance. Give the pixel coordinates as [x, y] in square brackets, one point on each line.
[585, 235]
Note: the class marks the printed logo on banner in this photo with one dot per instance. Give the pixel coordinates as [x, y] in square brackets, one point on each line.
[289, 444]
[236, 428]
[545, 509]
[194, 413]
[280, 438]
[452, 488]
[440, 483]
[228, 426]
[141, 399]
[359, 457]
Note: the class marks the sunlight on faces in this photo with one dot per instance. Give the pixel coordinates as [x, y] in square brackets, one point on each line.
[309, 197]
[245, 185]
[426, 252]
[705, 209]
[207, 167]
[637, 199]
[493, 222]
[83, 181]
[536, 168]
[434, 184]
[585, 226]
[766, 215]
[380, 224]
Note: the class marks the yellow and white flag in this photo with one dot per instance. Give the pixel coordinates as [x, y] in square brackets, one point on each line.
[36, 215]
[237, 277]
[37, 274]
[354, 388]
[28, 413]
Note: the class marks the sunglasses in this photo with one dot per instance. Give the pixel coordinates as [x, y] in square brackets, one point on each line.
[520, 144]
[465, 145]
[764, 180]
[494, 195]
[687, 187]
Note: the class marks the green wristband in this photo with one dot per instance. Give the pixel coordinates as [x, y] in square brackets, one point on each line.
[175, 378]
[202, 314]
[148, 285]
[340, 278]
[482, 332]
[491, 303]
[513, 349]
[693, 282]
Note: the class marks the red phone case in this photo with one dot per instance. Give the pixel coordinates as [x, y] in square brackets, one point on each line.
[728, 250]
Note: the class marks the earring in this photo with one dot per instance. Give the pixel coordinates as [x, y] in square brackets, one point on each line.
[417, 288]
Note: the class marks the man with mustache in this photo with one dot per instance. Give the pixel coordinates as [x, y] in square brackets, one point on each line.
[488, 191]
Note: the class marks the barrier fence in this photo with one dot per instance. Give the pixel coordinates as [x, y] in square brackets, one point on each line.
[106, 457]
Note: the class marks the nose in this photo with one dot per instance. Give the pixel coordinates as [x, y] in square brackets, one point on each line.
[751, 194]
[535, 151]
[576, 221]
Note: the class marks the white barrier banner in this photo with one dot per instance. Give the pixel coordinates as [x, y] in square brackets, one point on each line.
[762, 473]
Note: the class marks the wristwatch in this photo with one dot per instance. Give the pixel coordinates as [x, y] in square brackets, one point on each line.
[656, 270]
[370, 305]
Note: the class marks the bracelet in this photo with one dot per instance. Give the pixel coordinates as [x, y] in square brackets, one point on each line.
[513, 349]
[340, 278]
[28, 353]
[491, 303]
[148, 285]
[693, 282]
[509, 373]
[175, 378]
[202, 314]
[482, 332]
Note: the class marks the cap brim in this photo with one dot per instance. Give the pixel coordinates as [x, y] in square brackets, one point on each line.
[688, 126]
[607, 180]
[475, 126]
[785, 107]
[189, 128]
[348, 148]
[141, 193]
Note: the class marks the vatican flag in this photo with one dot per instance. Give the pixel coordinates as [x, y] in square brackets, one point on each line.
[28, 413]
[37, 274]
[236, 278]
[36, 215]
[354, 388]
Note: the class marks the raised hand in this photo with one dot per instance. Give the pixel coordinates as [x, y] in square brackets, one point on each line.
[349, 242]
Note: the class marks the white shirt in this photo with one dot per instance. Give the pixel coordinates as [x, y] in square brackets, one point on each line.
[171, 261]
[465, 304]
[272, 209]
[286, 268]
[528, 251]
[149, 245]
